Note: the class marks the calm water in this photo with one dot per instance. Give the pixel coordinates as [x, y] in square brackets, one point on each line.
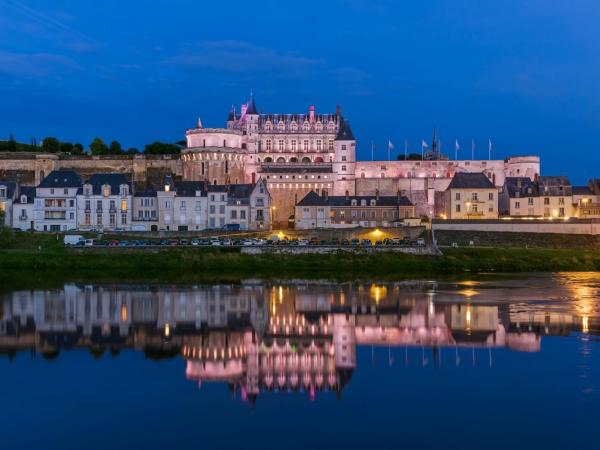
[500, 364]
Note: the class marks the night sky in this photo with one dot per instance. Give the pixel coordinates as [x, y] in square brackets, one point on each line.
[523, 73]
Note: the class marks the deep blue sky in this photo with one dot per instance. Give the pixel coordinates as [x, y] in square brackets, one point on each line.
[525, 73]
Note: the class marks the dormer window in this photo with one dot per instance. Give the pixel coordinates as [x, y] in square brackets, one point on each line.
[294, 126]
[87, 190]
[167, 188]
[198, 193]
[373, 202]
[281, 126]
[2, 192]
[305, 126]
[23, 199]
[363, 202]
[353, 202]
[124, 190]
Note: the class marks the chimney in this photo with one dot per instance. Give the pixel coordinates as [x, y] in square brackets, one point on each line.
[399, 195]
[377, 194]
[324, 194]
[347, 195]
[311, 113]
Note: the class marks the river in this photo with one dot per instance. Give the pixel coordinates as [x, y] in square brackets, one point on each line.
[505, 363]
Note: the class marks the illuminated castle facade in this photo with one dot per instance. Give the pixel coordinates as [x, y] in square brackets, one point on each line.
[299, 153]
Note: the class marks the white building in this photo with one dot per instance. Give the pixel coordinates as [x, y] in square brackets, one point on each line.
[8, 192]
[23, 209]
[145, 210]
[104, 202]
[55, 204]
[181, 205]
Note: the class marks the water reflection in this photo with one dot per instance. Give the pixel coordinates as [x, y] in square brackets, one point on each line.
[302, 337]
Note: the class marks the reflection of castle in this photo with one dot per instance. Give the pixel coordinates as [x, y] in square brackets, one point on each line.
[258, 337]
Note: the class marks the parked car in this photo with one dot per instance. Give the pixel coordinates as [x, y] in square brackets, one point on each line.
[355, 241]
[184, 242]
[303, 242]
[195, 242]
[366, 243]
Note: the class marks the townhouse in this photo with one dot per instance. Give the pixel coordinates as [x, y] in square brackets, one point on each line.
[324, 211]
[471, 196]
[104, 202]
[55, 206]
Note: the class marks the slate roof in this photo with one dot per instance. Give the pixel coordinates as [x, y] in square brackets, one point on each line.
[465, 180]
[189, 188]
[114, 180]
[28, 191]
[313, 199]
[61, 179]
[150, 191]
[251, 109]
[582, 190]
[523, 185]
[11, 187]
[344, 131]
[555, 186]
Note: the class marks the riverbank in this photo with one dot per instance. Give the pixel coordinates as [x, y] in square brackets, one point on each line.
[195, 265]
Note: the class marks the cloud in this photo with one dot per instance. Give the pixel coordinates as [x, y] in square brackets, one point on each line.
[35, 65]
[31, 21]
[239, 56]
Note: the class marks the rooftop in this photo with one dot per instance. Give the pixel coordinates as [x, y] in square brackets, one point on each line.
[61, 179]
[314, 199]
[464, 180]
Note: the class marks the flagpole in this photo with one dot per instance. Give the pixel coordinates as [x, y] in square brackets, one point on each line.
[372, 151]
[472, 149]
[389, 145]
[489, 149]
[405, 148]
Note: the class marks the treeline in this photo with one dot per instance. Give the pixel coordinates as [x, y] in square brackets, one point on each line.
[97, 147]
[410, 157]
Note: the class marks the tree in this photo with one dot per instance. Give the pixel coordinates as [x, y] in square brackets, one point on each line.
[132, 151]
[66, 147]
[161, 148]
[78, 149]
[415, 157]
[51, 145]
[98, 147]
[115, 148]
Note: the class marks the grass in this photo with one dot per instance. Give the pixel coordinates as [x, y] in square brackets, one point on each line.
[30, 260]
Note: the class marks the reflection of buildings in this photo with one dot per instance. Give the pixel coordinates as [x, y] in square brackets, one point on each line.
[260, 337]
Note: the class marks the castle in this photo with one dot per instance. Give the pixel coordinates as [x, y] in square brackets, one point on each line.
[299, 153]
[293, 153]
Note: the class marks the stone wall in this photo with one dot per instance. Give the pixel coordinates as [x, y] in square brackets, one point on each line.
[591, 227]
[32, 168]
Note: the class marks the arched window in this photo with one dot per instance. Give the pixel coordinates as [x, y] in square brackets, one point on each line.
[305, 126]
[281, 125]
[268, 159]
[318, 159]
[306, 159]
[382, 175]
[319, 126]
[294, 126]
[362, 175]
[280, 159]
[293, 159]
[268, 144]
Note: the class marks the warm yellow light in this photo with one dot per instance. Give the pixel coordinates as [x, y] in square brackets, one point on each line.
[555, 213]
[167, 330]
[377, 293]
[585, 324]
[124, 312]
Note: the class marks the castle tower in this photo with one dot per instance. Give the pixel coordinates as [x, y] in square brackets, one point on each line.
[344, 164]
[252, 138]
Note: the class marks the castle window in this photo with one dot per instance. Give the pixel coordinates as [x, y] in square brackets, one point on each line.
[280, 145]
[202, 168]
[363, 202]
[224, 143]
[281, 126]
[344, 147]
[319, 126]
[306, 145]
[353, 202]
[226, 166]
[372, 202]
[305, 126]
[343, 168]
[330, 144]
[268, 144]
[293, 145]
[294, 126]
[319, 145]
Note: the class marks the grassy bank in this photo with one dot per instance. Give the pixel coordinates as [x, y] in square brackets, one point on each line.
[35, 259]
[190, 264]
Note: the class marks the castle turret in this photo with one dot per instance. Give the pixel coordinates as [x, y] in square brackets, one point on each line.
[344, 163]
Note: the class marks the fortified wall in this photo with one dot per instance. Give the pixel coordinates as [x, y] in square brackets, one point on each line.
[31, 168]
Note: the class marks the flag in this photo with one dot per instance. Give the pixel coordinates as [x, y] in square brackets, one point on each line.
[490, 145]
[424, 144]
[456, 145]
[199, 123]
[390, 145]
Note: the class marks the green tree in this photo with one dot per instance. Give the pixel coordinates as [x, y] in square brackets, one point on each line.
[51, 145]
[115, 148]
[132, 151]
[98, 147]
[161, 148]
[415, 157]
[66, 147]
[78, 149]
